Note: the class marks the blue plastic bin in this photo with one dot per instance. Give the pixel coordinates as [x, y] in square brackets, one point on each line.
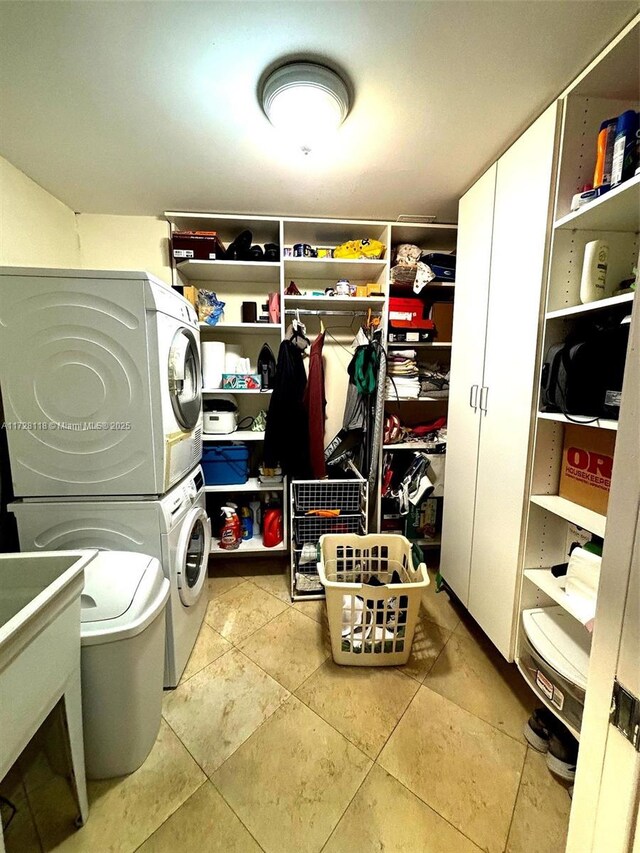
[225, 464]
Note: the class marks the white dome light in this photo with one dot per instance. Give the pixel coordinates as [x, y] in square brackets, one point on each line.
[306, 101]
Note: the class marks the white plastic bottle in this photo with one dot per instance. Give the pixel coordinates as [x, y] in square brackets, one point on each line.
[594, 271]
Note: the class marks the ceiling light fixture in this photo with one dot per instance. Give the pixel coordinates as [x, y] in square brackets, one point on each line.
[306, 101]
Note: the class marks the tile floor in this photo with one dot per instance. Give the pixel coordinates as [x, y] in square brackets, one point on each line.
[266, 745]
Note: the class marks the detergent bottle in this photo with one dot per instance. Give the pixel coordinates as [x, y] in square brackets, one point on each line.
[231, 533]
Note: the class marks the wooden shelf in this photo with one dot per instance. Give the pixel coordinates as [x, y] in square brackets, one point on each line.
[238, 435]
[252, 485]
[601, 423]
[617, 210]
[245, 328]
[221, 271]
[576, 514]
[598, 305]
[234, 391]
[248, 546]
[332, 269]
[554, 588]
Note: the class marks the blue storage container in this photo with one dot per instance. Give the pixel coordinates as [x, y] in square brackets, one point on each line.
[225, 464]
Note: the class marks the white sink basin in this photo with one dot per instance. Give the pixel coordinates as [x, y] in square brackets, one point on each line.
[40, 652]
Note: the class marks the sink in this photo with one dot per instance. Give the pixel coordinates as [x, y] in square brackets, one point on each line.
[40, 652]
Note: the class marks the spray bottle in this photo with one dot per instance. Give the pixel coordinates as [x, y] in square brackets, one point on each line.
[231, 533]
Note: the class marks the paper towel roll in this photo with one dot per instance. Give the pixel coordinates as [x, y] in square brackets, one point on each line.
[213, 363]
[232, 355]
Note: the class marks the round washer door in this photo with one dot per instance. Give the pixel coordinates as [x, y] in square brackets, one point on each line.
[185, 379]
[192, 555]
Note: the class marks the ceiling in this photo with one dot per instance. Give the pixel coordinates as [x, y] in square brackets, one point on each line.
[141, 107]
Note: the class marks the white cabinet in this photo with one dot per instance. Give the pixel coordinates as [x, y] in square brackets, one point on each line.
[502, 247]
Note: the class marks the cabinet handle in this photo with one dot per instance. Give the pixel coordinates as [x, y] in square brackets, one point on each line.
[484, 397]
[473, 397]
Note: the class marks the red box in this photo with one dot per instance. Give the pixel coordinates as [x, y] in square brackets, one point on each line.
[408, 313]
[197, 246]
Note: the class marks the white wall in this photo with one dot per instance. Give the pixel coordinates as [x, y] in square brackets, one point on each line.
[125, 242]
[36, 229]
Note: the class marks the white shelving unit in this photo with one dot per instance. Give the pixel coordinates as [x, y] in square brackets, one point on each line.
[552, 519]
[253, 484]
[238, 435]
[255, 545]
[238, 281]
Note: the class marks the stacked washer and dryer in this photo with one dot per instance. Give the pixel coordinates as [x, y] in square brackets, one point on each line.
[101, 384]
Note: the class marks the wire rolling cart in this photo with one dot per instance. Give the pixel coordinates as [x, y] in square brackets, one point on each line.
[350, 497]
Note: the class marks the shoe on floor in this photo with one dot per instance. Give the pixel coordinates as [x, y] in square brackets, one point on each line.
[562, 756]
[538, 729]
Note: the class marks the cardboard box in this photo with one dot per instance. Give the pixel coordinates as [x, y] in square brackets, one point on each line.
[241, 381]
[587, 461]
[442, 316]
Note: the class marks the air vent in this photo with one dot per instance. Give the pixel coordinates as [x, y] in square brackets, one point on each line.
[197, 446]
[424, 220]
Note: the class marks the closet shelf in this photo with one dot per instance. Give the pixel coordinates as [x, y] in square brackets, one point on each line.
[252, 485]
[334, 302]
[601, 423]
[410, 445]
[395, 399]
[248, 546]
[576, 514]
[238, 435]
[409, 345]
[250, 328]
[331, 269]
[554, 588]
[427, 543]
[617, 210]
[598, 305]
[234, 391]
[222, 271]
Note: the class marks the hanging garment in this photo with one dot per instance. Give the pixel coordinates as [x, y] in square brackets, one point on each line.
[316, 405]
[286, 440]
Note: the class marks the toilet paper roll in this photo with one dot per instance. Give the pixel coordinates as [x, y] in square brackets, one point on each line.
[213, 363]
[232, 356]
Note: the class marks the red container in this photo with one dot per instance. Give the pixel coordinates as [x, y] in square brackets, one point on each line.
[272, 534]
[408, 313]
[196, 246]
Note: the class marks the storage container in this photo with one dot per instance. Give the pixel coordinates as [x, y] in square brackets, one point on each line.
[555, 659]
[409, 313]
[373, 597]
[196, 245]
[123, 647]
[225, 464]
[587, 465]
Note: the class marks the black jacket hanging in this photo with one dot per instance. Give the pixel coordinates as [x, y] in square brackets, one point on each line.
[286, 440]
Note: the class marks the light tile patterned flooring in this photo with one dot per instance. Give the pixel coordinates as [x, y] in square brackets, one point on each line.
[267, 745]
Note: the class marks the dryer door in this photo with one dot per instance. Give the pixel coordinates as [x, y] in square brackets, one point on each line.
[192, 555]
[185, 379]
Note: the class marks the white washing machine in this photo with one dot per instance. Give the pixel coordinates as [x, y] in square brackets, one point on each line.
[101, 383]
[174, 528]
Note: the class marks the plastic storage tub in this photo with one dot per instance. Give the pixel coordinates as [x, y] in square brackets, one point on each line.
[225, 464]
[371, 625]
[123, 645]
[554, 657]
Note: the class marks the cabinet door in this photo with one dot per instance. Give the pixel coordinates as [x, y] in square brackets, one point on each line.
[521, 227]
[463, 422]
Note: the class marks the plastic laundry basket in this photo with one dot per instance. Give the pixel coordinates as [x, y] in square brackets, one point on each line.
[373, 597]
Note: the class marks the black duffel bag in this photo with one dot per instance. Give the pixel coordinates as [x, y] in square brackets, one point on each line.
[583, 374]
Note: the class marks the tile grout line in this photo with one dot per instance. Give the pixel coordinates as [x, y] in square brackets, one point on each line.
[515, 802]
[339, 821]
[160, 825]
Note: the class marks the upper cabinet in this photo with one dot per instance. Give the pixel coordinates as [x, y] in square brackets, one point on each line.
[504, 226]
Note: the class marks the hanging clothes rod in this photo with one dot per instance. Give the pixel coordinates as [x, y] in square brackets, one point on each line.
[320, 312]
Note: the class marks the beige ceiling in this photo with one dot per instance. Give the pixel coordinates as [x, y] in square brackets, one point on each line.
[141, 107]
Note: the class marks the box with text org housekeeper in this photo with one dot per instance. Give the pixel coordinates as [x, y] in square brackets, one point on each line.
[225, 464]
[587, 460]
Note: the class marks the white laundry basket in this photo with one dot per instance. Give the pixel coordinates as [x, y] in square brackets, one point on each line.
[371, 625]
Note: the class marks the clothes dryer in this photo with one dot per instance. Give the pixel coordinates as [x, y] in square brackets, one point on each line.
[101, 383]
[174, 528]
